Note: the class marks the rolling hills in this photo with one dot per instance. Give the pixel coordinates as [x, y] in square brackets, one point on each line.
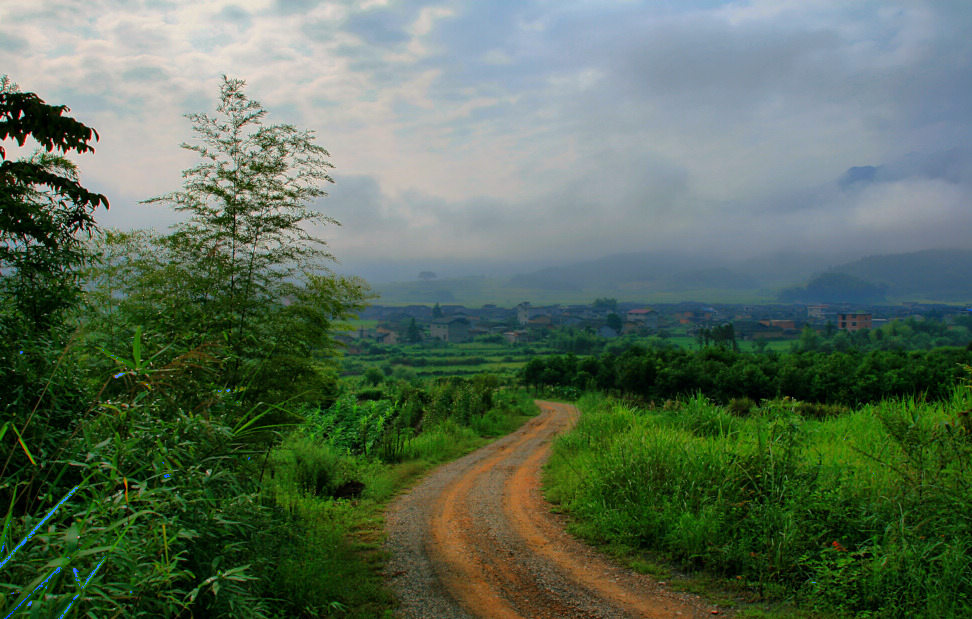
[942, 275]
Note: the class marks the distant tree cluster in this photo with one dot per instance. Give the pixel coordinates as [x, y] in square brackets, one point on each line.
[577, 341]
[907, 334]
[722, 335]
[605, 303]
[721, 374]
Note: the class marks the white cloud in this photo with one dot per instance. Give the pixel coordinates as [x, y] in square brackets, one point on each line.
[427, 18]
[912, 206]
[565, 128]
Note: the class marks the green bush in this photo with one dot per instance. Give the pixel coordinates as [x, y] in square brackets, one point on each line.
[312, 467]
[168, 498]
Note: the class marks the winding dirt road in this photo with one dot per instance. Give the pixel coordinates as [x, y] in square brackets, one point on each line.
[476, 539]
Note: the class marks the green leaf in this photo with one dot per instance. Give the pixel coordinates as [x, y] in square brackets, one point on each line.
[20, 440]
[126, 363]
[137, 348]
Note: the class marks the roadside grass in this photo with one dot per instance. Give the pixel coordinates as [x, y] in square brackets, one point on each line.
[864, 514]
[335, 557]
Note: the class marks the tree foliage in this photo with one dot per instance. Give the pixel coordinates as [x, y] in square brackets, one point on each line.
[43, 212]
[244, 269]
[722, 374]
[43, 208]
[135, 405]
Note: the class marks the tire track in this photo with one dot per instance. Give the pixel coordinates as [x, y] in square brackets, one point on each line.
[476, 539]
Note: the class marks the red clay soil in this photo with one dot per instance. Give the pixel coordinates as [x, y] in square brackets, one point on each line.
[477, 539]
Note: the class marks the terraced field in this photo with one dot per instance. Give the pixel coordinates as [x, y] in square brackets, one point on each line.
[445, 360]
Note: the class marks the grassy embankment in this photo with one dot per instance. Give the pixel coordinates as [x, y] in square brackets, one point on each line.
[336, 475]
[865, 514]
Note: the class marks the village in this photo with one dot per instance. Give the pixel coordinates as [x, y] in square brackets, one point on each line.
[610, 319]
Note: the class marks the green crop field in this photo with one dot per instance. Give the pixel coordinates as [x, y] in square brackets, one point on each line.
[437, 359]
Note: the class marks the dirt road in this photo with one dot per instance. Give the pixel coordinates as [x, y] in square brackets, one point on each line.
[476, 539]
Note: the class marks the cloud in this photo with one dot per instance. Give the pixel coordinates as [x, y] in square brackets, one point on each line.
[144, 74]
[235, 14]
[533, 130]
[11, 42]
[379, 27]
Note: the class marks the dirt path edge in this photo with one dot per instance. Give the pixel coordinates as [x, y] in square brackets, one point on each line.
[475, 538]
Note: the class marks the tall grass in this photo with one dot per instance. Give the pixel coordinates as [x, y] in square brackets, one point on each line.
[865, 513]
[161, 513]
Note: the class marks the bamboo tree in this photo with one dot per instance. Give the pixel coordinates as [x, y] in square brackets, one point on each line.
[246, 240]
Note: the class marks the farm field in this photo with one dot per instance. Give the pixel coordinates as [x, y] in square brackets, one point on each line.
[439, 359]
[479, 290]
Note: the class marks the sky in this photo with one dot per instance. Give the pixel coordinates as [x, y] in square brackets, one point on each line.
[508, 134]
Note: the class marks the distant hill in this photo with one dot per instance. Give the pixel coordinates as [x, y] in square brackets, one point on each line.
[834, 287]
[935, 274]
[932, 275]
[719, 278]
[786, 268]
[541, 281]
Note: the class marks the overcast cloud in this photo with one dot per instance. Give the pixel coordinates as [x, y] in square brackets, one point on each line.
[539, 131]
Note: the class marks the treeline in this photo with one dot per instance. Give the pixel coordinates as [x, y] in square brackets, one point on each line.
[844, 378]
[907, 334]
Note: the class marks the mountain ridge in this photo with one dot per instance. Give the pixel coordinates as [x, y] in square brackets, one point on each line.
[934, 275]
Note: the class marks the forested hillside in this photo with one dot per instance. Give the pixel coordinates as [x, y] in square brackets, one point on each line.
[941, 274]
[933, 275]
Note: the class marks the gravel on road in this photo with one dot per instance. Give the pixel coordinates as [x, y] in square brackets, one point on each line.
[476, 539]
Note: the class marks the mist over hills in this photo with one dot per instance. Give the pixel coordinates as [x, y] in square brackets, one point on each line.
[639, 272]
[943, 275]
[934, 274]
